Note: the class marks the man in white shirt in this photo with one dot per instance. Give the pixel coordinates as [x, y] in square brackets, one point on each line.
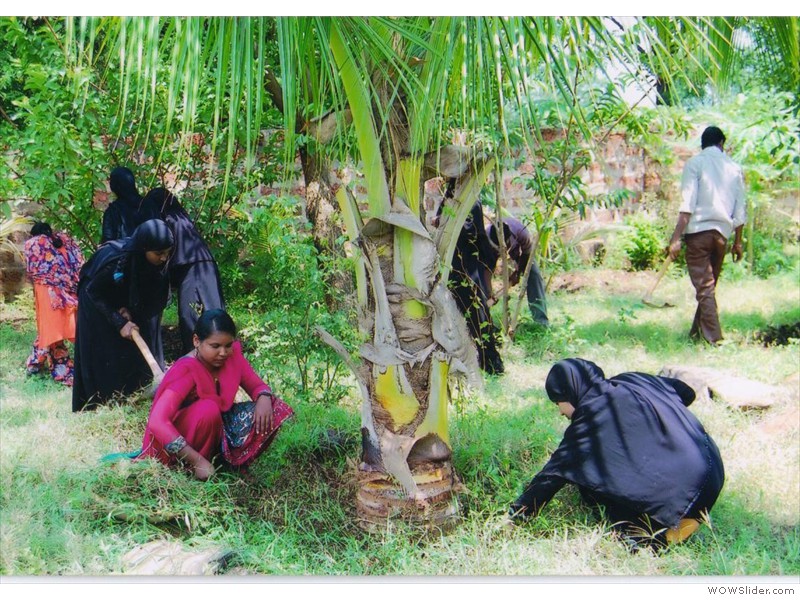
[713, 207]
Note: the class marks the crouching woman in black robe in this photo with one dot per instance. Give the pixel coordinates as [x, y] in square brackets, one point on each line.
[633, 448]
[193, 273]
[122, 287]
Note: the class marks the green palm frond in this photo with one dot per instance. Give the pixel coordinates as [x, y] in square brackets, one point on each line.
[450, 74]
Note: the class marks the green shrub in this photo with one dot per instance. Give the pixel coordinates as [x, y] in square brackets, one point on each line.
[280, 298]
[644, 244]
[770, 256]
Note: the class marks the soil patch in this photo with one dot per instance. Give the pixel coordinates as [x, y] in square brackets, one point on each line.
[609, 280]
[779, 335]
[171, 339]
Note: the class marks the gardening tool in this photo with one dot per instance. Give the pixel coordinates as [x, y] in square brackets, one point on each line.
[158, 374]
[648, 297]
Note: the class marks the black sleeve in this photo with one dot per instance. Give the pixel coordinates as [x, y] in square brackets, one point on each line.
[539, 492]
[684, 390]
[110, 225]
[523, 246]
[100, 290]
[521, 263]
[487, 256]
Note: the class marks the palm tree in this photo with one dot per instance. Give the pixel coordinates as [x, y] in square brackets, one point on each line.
[401, 82]
[393, 94]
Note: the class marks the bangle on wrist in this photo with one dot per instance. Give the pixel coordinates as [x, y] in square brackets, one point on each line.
[176, 445]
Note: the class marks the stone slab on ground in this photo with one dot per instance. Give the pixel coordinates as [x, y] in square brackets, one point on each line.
[162, 557]
[737, 392]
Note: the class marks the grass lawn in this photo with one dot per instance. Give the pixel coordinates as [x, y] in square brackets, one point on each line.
[65, 513]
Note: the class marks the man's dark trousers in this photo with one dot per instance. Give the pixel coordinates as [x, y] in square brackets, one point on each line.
[705, 252]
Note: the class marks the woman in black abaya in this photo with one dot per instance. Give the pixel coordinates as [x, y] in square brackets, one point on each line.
[193, 273]
[470, 283]
[127, 212]
[123, 286]
[633, 448]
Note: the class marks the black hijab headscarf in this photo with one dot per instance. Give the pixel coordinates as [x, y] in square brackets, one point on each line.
[569, 380]
[128, 211]
[148, 285]
[152, 235]
[123, 185]
[632, 441]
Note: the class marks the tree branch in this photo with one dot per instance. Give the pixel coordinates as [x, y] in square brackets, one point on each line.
[7, 118]
[322, 129]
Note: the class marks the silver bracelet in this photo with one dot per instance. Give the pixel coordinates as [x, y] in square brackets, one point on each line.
[176, 445]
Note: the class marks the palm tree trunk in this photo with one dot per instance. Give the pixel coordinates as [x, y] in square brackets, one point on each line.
[406, 383]
[418, 338]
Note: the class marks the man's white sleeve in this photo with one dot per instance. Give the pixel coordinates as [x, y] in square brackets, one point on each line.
[689, 184]
[739, 207]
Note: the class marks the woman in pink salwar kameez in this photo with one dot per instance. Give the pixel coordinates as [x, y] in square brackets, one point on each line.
[194, 417]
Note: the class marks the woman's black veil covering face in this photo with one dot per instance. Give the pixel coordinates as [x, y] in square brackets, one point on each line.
[569, 380]
[123, 184]
[160, 199]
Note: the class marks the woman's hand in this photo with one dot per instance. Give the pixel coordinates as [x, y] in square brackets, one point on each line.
[127, 329]
[263, 413]
[202, 469]
[199, 465]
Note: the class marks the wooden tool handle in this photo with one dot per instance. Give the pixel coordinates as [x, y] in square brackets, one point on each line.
[148, 356]
[661, 273]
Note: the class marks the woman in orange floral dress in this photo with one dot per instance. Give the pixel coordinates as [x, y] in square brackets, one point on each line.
[53, 263]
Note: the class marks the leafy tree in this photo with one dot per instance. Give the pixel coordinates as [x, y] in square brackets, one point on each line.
[769, 56]
[66, 122]
[717, 54]
[53, 151]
